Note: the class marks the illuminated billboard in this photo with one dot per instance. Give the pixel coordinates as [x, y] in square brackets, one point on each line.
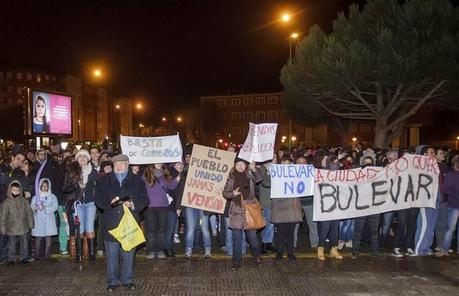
[51, 113]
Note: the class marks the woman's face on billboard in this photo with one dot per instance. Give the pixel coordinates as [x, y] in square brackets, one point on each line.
[40, 108]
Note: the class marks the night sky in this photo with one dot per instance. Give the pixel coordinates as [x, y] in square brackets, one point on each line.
[167, 53]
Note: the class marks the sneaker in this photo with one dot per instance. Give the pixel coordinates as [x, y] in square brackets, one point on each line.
[161, 255]
[440, 254]
[223, 249]
[341, 244]
[100, 253]
[151, 255]
[235, 266]
[397, 253]
[349, 244]
[207, 254]
[130, 287]
[355, 256]
[64, 252]
[188, 253]
[176, 239]
[111, 288]
[410, 252]
[10, 263]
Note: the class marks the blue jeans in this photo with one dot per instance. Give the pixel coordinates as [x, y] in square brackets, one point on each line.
[213, 222]
[87, 215]
[442, 222]
[313, 234]
[268, 232]
[229, 239]
[328, 229]
[346, 229]
[425, 228]
[453, 216]
[113, 251]
[3, 247]
[171, 225]
[387, 222]
[192, 216]
[238, 243]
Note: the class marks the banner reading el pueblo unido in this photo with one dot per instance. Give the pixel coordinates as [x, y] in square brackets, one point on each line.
[148, 150]
[209, 168]
[409, 182]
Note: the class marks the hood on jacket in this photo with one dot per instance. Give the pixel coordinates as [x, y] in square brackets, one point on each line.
[419, 148]
[41, 182]
[8, 191]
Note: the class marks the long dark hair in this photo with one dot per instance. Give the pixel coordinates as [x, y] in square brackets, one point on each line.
[150, 175]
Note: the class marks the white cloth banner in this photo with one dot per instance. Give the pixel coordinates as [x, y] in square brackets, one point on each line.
[291, 180]
[259, 144]
[148, 150]
[409, 182]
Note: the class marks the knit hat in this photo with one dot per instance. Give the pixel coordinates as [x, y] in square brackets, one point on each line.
[83, 152]
[238, 159]
[120, 157]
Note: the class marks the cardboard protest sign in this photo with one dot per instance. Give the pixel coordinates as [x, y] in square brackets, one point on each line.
[259, 144]
[148, 150]
[409, 182]
[291, 180]
[206, 179]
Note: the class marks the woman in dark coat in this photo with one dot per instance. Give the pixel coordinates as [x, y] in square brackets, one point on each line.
[241, 186]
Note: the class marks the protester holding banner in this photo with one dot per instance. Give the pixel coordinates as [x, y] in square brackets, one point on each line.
[120, 184]
[264, 193]
[329, 228]
[173, 211]
[373, 224]
[451, 189]
[240, 186]
[157, 183]
[285, 214]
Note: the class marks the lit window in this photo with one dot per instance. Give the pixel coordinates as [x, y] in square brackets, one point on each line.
[19, 90]
[29, 76]
[236, 102]
[236, 115]
[9, 75]
[272, 100]
[248, 115]
[221, 102]
[260, 100]
[247, 101]
[260, 115]
[19, 76]
[38, 78]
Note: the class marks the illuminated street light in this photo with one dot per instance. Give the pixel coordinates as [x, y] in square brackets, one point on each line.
[286, 17]
[293, 138]
[117, 106]
[179, 119]
[139, 106]
[354, 139]
[141, 125]
[97, 73]
[220, 141]
[294, 35]
[164, 119]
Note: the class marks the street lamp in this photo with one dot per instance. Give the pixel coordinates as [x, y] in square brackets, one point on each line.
[141, 125]
[179, 119]
[139, 106]
[294, 35]
[283, 139]
[163, 119]
[457, 139]
[354, 139]
[117, 107]
[293, 141]
[97, 73]
[285, 17]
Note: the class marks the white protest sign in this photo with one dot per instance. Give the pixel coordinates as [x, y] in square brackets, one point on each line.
[291, 180]
[206, 179]
[409, 182]
[148, 150]
[259, 144]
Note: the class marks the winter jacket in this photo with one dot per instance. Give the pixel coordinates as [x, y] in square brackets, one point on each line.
[264, 192]
[16, 217]
[51, 171]
[73, 190]
[236, 211]
[45, 221]
[286, 210]
[177, 193]
[157, 193]
[8, 175]
[451, 188]
[108, 188]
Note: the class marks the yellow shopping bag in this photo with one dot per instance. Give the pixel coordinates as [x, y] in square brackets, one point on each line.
[128, 232]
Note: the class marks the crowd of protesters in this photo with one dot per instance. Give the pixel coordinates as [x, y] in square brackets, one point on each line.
[68, 196]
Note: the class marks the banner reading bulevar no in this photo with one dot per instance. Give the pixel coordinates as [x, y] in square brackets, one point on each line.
[148, 150]
[209, 168]
[409, 182]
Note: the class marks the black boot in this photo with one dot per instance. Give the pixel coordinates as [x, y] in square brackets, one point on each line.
[264, 251]
[92, 249]
[271, 248]
[79, 247]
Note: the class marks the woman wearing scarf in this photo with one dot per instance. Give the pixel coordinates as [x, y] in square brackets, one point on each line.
[241, 185]
[44, 205]
[80, 185]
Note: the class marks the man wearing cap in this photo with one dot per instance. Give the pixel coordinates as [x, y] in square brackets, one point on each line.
[113, 186]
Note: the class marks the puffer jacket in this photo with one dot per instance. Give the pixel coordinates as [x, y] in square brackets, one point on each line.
[16, 216]
[236, 211]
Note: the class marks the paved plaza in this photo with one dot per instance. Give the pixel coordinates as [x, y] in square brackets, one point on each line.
[199, 276]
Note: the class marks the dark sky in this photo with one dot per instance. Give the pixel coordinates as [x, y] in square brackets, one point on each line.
[168, 53]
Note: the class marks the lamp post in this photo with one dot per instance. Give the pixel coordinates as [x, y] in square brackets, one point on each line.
[292, 36]
[354, 140]
[457, 139]
[293, 141]
[79, 124]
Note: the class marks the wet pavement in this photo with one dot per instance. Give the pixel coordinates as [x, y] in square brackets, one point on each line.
[198, 276]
